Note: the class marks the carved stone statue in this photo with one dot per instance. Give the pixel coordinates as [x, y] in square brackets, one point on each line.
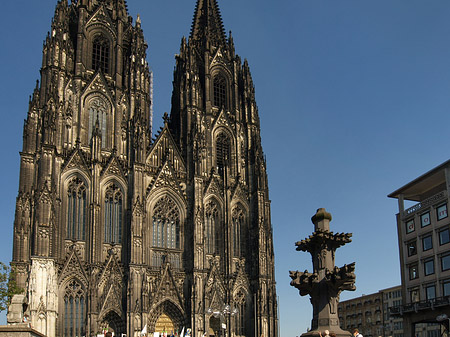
[327, 281]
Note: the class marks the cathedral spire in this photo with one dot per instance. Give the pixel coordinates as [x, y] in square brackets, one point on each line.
[207, 26]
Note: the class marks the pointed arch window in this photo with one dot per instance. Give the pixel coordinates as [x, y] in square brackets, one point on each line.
[220, 91]
[113, 214]
[222, 152]
[238, 223]
[100, 54]
[98, 109]
[239, 319]
[76, 210]
[166, 224]
[74, 319]
[211, 229]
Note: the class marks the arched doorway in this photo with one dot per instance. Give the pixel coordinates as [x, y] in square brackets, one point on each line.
[166, 317]
[164, 324]
[112, 322]
[214, 326]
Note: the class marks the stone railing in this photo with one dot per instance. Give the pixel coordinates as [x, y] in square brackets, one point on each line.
[427, 202]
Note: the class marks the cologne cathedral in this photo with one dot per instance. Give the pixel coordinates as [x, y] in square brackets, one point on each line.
[121, 230]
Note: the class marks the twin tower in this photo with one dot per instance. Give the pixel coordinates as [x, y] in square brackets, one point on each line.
[116, 230]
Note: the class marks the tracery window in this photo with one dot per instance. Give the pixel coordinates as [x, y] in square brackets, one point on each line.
[211, 228]
[238, 220]
[74, 310]
[113, 214]
[98, 109]
[239, 320]
[166, 224]
[220, 91]
[222, 152]
[100, 54]
[76, 210]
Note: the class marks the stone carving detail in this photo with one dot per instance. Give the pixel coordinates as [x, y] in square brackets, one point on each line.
[327, 281]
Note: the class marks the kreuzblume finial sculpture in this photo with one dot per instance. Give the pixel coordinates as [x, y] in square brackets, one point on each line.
[327, 281]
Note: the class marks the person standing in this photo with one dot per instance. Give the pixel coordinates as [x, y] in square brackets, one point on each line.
[356, 333]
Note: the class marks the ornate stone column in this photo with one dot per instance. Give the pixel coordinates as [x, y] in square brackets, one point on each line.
[327, 281]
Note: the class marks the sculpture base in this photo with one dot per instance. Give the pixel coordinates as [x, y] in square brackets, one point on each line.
[332, 329]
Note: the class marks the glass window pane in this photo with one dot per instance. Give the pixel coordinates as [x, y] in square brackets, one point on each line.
[445, 262]
[429, 267]
[413, 272]
[410, 226]
[442, 212]
[412, 248]
[425, 219]
[446, 288]
[430, 292]
[444, 236]
[427, 243]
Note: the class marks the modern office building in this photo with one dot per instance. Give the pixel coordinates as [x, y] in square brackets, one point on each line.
[115, 230]
[364, 313]
[392, 324]
[424, 245]
[370, 314]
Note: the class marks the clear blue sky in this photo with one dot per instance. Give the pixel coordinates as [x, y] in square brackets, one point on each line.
[354, 100]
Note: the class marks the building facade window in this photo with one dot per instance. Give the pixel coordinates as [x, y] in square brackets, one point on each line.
[441, 212]
[74, 310]
[412, 248]
[414, 295]
[427, 243]
[76, 210]
[425, 219]
[444, 236]
[238, 219]
[98, 110]
[100, 54]
[413, 272]
[445, 262]
[113, 214]
[220, 91]
[166, 224]
[446, 288]
[410, 226]
[430, 292]
[223, 147]
[212, 227]
[428, 267]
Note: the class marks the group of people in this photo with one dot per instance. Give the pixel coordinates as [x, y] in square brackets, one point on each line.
[327, 333]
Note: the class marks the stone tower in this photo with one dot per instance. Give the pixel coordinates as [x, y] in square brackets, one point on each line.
[116, 230]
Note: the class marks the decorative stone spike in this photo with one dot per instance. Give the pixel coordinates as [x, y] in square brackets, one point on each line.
[327, 281]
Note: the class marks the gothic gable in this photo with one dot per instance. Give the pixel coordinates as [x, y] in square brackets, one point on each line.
[164, 148]
[219, 59]
[215, 289]
[241, 282]
[76, 160]
[101, 18]
[98, 84]
[112, 274]
[167, 289]
[239, 193]
[112, 302]
[114, 168]
[223, 120]
[213, 187]
[166, 177]
[73, 267]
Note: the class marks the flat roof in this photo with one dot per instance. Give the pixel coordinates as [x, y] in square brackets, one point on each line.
[414, 189]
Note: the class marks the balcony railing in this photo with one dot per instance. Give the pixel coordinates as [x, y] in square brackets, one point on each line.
[418, 306]
[427, 202]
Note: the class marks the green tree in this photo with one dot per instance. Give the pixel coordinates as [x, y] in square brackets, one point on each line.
[8, 286]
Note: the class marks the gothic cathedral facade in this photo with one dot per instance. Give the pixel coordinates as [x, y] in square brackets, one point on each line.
[117, 230]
